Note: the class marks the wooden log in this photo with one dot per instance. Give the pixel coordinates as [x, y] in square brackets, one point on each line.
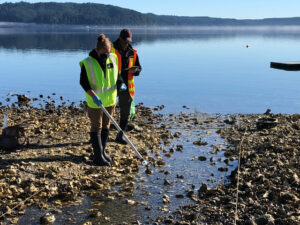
[290, 66]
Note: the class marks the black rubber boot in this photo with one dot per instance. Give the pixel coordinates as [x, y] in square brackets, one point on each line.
[104, 137]
[99, 159]
[120, 138]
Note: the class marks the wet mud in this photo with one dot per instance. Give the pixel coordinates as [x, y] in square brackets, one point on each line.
[192, 177]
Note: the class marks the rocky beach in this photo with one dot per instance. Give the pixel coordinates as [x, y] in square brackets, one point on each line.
[268, 177]
[52, 168]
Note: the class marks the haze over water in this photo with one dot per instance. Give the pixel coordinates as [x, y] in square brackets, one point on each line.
[208, 70]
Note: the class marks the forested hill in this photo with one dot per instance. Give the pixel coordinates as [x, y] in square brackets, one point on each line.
[99, 14]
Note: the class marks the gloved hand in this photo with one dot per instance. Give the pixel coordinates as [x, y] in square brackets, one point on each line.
[123, 87]
[132, 110]
[97, 100]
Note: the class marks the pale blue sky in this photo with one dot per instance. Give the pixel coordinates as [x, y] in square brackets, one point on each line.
[240, 9]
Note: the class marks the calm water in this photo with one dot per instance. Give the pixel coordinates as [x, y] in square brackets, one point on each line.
[208, 70]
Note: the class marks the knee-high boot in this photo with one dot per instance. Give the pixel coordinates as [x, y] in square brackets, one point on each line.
[99, 159]
[120, 138]
[104, 136]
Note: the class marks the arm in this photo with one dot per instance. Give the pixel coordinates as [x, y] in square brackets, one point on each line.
[95, 98]
[91, 93]
[84, 82]
[136, 71]
[120, 81]
[137, 63]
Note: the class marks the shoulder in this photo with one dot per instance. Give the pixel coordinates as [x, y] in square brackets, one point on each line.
[83, 61]
[114, 55]
[89, 59]
[116, 45]
[132, 49]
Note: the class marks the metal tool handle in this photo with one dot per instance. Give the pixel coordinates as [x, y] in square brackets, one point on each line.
[144, 162]
[4, 122]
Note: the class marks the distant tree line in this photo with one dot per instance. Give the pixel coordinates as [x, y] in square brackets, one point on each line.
[100, 14]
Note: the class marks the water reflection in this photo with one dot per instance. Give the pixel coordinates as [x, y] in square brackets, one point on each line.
[73, 40]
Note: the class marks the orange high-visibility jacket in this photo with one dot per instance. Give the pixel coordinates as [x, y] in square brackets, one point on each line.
[132, 60]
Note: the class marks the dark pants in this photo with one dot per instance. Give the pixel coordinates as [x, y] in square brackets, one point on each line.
[124, 104]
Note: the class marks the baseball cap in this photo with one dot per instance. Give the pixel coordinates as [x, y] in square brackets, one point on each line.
[126, 34]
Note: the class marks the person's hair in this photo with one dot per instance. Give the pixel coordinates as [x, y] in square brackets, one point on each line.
[103, 42]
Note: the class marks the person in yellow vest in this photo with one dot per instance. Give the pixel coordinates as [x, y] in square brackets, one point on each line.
[129, 65]
[98, 78]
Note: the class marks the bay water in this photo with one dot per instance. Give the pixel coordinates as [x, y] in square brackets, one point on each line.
[211, 70]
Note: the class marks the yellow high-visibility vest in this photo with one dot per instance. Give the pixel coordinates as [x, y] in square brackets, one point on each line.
[105, 87]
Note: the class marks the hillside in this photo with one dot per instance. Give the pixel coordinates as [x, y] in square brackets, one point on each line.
[100, 14]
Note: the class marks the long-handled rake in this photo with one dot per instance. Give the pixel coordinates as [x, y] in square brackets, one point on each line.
[144, 162]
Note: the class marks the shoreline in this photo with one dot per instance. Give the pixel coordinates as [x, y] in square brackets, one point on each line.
[55, 169]
[139, 28]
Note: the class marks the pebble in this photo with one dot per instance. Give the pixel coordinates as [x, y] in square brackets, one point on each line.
[48, 218]
[202, 158]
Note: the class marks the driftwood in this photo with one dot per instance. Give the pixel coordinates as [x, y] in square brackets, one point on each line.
[10, 137]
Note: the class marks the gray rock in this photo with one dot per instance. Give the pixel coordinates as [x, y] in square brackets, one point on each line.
[267, 219]
[203, 189]
[48, 218]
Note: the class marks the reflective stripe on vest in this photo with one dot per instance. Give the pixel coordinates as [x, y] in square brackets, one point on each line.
[131, 62]
[105, 89]
[103, 85]
[119, 58]
[94, 84]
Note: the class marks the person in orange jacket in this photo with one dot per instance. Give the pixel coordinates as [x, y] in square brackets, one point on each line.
[129, 65]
